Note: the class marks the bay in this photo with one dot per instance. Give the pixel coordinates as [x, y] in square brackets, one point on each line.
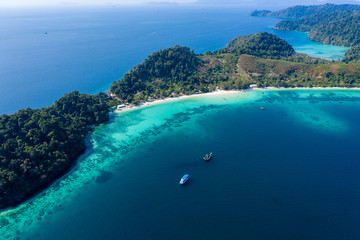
[290, 171]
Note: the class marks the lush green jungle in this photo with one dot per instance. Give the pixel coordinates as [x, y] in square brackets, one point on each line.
[337, 28]
[329, 24]
[38, 146]
[353, 54]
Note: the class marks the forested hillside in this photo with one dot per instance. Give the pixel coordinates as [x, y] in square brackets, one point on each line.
[353, 54]
[261, 45]
[307, 23]
[37, 146]
[158, 76]
[344, 32]
[338, 28]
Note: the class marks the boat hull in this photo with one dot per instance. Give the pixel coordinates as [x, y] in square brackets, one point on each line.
[184, 179]
[207, 157]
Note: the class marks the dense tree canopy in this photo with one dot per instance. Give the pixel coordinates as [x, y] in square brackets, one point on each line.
[353, 54]
[36, 146]
[344, 32]
[337, 28]
[161, 70]
[263, 44]
[306, 24]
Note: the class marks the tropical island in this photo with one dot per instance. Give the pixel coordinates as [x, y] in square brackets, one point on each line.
[39, 146]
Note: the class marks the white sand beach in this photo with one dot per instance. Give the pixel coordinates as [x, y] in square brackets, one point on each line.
[159, 101]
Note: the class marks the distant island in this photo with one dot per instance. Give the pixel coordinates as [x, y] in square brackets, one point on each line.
[297, 12]
[329, 24]
[39, 146]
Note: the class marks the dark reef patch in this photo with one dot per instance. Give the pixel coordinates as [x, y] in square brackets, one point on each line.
[104, 177]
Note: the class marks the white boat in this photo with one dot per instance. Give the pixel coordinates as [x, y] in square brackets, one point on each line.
[184, 179]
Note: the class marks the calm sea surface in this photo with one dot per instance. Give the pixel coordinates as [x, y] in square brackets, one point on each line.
[48, 52]
[291, 171]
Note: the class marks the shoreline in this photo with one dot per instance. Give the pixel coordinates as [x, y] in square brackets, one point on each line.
[168, 99]
[23, 206]
[5, 211]
[220, 92]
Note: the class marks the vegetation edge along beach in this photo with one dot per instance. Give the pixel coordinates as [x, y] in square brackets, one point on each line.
[39, 146]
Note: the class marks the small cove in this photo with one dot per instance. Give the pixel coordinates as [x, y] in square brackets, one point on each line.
[303, 44]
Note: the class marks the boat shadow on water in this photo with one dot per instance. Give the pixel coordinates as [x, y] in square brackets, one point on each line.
[188, 182]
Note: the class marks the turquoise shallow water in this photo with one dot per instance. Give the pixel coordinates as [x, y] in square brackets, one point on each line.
[290, 171]
[303, 44]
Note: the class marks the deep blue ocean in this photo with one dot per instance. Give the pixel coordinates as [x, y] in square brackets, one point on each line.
[48, 52]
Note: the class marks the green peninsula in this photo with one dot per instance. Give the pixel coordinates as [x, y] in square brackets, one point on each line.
[38, 146]
[262, 59]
